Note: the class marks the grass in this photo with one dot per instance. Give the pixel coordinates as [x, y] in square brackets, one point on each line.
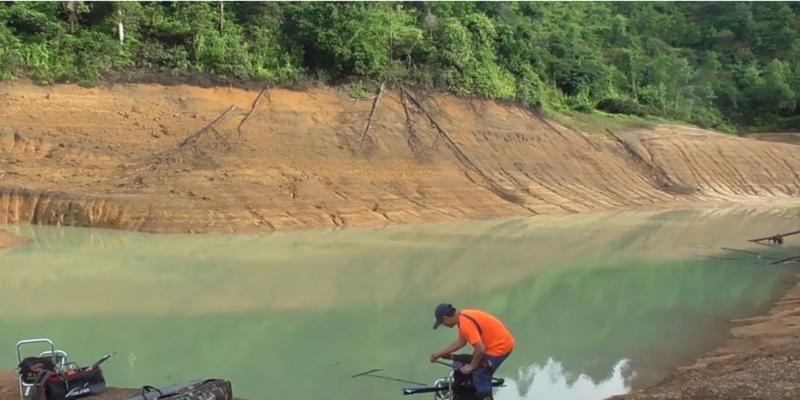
[794, 211]
[598, 122]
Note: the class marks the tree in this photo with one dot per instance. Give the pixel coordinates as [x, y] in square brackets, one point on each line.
[775, 93]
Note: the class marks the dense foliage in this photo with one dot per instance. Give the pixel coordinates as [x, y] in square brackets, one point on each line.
[717, 64]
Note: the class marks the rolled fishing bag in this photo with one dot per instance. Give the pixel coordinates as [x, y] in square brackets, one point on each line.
[75, 384]
[210, 389]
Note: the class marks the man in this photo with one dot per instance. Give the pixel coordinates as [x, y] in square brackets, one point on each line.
[491, 340]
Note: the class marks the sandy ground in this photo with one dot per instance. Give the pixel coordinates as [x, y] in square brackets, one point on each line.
[188, 159]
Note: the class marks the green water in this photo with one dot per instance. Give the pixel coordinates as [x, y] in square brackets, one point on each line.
[597, 303]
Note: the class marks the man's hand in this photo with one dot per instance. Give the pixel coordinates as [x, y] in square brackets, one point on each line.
[434, 357]
[467, 369]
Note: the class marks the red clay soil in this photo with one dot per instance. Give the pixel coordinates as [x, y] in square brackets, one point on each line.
[171, 159]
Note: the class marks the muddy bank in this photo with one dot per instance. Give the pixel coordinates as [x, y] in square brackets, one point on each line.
[9, 240]
[188, 159]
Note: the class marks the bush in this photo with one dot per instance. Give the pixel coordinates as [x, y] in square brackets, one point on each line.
[621, 106]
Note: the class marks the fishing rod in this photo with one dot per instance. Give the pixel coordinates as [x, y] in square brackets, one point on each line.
[371, 373]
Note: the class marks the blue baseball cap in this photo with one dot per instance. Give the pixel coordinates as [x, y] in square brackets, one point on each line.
[441, 311]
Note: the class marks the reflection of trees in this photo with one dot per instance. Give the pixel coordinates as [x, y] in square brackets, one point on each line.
[551, 381]
[524, 380]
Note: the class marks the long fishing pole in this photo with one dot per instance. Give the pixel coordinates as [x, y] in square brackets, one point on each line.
[371, 373]
[388, 378]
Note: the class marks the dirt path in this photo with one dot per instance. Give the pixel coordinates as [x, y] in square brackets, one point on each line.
[188, 159]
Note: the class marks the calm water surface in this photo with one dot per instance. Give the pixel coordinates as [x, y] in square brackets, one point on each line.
[597, 302]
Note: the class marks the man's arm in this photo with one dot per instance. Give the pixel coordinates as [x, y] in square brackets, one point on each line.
[449, 349]
[477, 356]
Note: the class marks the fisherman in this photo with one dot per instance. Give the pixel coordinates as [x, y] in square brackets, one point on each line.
[491, 341]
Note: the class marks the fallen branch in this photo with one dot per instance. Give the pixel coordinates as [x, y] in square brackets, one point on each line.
[197, 135]
[371, 113]
[787, 259]
[747, 252]
[170, 155]
[465, 161]
[553, 128]
[253, 108]
[412, 139]
[220, 138]
[775, 239]
[719, 258]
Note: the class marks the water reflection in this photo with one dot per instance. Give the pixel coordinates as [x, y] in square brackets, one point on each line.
[552, 381]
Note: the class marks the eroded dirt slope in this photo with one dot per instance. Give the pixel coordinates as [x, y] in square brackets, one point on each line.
[180, 159]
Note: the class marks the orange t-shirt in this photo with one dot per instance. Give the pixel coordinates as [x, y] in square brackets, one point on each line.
[495, 337]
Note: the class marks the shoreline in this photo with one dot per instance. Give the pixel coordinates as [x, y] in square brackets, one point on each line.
[745, 365]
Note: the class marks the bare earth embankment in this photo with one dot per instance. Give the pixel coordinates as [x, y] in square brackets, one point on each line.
[153, 158]
[188, 159]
